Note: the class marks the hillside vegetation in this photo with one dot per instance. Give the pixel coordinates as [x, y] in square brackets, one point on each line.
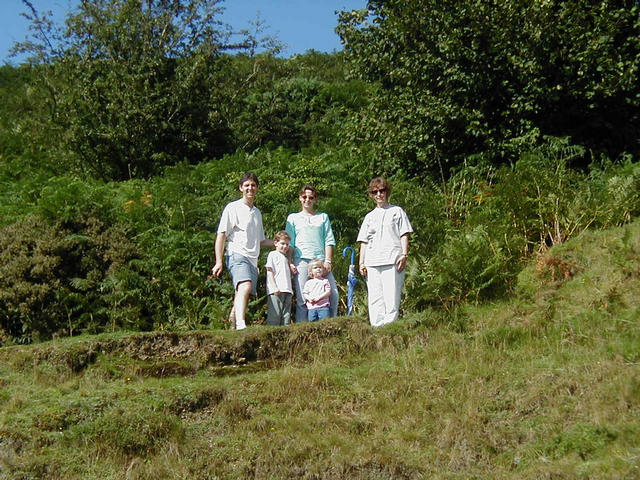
[509, 132]
[504, 128]
[543, 385]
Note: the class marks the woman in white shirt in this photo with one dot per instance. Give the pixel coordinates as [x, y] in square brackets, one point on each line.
[384, 247]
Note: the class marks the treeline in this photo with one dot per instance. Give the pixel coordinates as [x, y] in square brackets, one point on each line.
[121, 142]
[129, 127]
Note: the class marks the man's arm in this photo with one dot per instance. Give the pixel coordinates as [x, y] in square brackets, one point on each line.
[221, 238]
[267, 242]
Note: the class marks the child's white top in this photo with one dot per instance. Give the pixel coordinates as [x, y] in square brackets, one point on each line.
[314, 288]
[279, 264]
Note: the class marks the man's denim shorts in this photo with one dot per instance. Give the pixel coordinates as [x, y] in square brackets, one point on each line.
[242, 270]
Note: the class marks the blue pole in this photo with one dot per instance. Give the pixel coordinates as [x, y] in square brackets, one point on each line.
[351, 278]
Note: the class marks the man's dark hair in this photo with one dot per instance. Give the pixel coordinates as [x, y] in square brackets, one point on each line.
[248, 176]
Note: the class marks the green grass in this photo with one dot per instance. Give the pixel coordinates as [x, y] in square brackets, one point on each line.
[545, 385]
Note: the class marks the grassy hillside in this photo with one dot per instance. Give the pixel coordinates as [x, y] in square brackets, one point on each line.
[545, 385]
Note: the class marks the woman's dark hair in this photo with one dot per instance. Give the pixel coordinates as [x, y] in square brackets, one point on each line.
[309, 187]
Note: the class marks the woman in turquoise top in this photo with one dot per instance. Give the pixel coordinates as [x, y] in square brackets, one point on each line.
[311, 238]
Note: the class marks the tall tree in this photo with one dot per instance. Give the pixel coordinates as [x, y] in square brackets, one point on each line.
[458, 78]
[136, 84]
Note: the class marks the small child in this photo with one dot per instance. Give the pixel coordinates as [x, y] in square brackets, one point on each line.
[279, 281]
[316, 292]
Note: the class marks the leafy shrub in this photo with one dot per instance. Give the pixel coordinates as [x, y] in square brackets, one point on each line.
[180, 263]
[613, 192]
[52, 276]
[492, 220]
[65, 199]
[540, 196]
[542, 200]
[469, 266]
[297, 112]
[280, 114]
[27, 140]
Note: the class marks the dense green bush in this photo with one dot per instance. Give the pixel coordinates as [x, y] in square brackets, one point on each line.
[28, 141]
[468, 266]
[52, 277]
[612, 192]
[296, 112]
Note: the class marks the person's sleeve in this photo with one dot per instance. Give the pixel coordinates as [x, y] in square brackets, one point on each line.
[405, 225]
[329, 239]
[261, 235]
[362, 234]
[225, 225]
[270, 266]
[291, 230]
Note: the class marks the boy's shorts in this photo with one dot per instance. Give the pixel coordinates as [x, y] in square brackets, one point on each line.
[242, 270]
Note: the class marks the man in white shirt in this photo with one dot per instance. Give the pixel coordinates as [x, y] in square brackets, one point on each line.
[241, 229]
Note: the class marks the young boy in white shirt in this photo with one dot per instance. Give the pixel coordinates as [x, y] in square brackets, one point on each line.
[279, 288]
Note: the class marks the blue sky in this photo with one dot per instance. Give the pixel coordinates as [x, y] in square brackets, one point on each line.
[299, 24]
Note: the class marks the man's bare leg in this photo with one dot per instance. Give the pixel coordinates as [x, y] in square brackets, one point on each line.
[232, 318]
[240, 303]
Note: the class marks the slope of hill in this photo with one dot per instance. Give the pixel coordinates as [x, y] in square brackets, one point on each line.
[545, 385]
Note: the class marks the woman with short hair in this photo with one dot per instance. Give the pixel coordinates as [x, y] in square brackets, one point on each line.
[384, 248]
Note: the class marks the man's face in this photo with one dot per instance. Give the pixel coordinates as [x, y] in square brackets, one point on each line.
[282, 246]
[249, 189]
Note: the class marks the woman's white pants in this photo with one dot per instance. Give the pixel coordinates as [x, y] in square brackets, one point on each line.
[384, 286]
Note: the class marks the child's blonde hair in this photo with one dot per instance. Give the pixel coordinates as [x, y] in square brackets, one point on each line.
[317, 263]
[281, 235]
